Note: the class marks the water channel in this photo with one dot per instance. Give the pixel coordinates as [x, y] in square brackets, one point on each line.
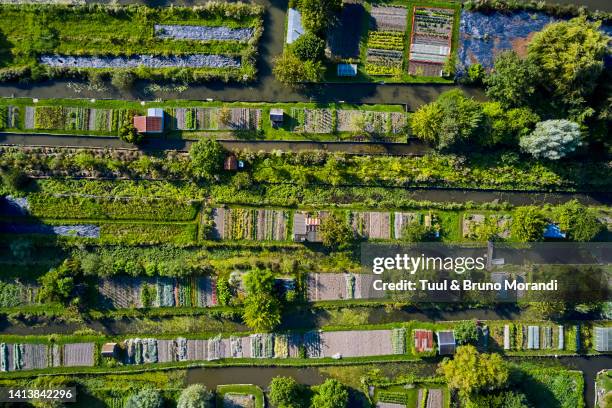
[266, 88]
[261, 376]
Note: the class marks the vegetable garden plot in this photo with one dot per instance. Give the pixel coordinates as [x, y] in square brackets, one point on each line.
[243, 119]
[193, 118]
[498, 223]
[360, 343]
[148, 61]
[375, 122]
[371, 225]
[262, 345]
[401, 219]
[385, 52]
[127, 292]
[78, 354]
[389, 18]
[16, 293]
[385, 46]
[313, 120]
[119, 37]
[9, 117]
[74, 118]
[121, 292]
[251, 224]
[337, 286]
[343, 38]
[202, 33]
[430, 45]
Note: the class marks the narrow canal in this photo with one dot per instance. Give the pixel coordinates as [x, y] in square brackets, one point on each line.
[266, 88]
[261, 376]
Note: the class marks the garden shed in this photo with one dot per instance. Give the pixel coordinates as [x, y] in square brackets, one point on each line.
[109, 350]
[347, 70]
[277, 117]
[230, 163]
[153, 122]
[423, 340]
[446, 342]
[306, 226]
[603, 339]
[294, 25]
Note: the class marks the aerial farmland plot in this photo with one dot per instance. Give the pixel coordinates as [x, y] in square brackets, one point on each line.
[402, 42]
[49, 41]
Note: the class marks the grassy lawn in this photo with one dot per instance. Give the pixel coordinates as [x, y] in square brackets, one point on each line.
[31, 31]
[240, 389]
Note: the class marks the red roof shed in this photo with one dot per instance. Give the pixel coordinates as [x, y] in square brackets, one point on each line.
[148, 124]
[423, 340]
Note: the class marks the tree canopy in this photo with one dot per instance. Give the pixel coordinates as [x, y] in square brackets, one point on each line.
[330, 394]
[552, 139]
[578, 221]
[318, 15]
[512, 80]
[285, 392]
[195, 396]
[570, 56]
[450, 121]
[528, 224]
[262, 309]
[335, 232]
[290, 70]
[308, 47]
[145, 398]
[470, 372]
[206, 158]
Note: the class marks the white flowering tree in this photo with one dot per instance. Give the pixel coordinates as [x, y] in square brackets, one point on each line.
[552, 139]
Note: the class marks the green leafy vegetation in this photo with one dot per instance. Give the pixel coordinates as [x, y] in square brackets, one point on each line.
[95, 30]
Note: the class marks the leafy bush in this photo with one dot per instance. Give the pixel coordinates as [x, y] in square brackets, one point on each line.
[335, 232]
[578, 221]
[207, 158]
[195, 396]
[552, 139]
[290, 70]
[528, 224]
[466, 332]
[285, 392]
[308, 47]
[330, 394]
[145, 398]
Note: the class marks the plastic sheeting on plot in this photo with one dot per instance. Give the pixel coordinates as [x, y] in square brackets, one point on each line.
[14, 206]
[149, 61]
[483, 36]
[202, 33]
[82, 231]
